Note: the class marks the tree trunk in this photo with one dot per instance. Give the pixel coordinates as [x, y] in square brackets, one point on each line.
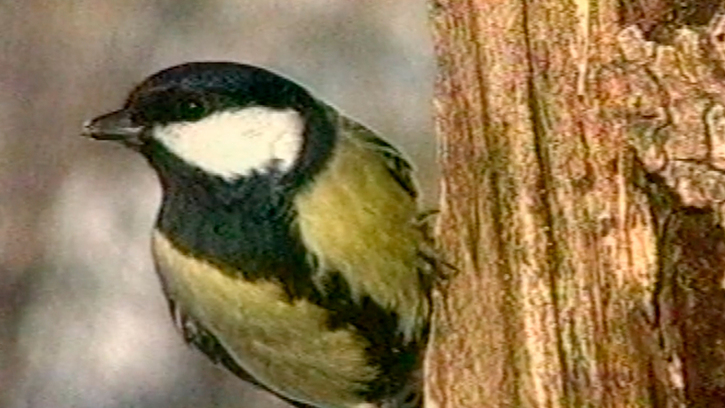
[583, 153]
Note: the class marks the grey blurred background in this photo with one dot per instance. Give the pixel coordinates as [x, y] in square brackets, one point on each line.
[82, 319]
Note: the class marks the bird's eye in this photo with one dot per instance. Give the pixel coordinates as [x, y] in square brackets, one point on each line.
[191, 109]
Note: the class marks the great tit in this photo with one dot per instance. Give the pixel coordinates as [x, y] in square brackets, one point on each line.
[286, 242]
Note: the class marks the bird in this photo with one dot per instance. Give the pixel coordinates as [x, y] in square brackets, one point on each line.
[287, 241]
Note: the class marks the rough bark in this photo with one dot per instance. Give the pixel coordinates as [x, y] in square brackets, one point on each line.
[583, 153]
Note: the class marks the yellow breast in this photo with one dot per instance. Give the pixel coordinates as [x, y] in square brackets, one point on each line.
[284, 344]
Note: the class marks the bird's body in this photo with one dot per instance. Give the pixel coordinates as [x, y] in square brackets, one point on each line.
[286, 242]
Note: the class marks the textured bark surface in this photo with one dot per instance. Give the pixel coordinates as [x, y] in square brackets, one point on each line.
[583, 152]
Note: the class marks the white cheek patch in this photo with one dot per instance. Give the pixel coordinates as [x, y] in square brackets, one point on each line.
[235, 144]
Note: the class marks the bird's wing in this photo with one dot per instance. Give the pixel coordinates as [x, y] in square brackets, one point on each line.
[398, 166]
[402, 171]
[435, 270]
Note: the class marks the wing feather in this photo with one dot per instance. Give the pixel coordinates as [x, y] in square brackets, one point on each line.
[398, 166]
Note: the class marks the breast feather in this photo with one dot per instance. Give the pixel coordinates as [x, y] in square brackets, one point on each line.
[284, 344]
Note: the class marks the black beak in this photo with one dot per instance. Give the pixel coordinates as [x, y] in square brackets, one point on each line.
[115, 126]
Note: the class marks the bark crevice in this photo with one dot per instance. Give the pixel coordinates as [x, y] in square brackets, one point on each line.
[689, 299]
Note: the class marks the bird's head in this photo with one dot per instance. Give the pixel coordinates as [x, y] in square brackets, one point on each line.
[222, 120]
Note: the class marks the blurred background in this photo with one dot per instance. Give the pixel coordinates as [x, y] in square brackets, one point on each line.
[82, 319]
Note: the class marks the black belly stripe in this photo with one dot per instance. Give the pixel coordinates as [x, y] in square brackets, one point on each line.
[285, 261]
[386, 350]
